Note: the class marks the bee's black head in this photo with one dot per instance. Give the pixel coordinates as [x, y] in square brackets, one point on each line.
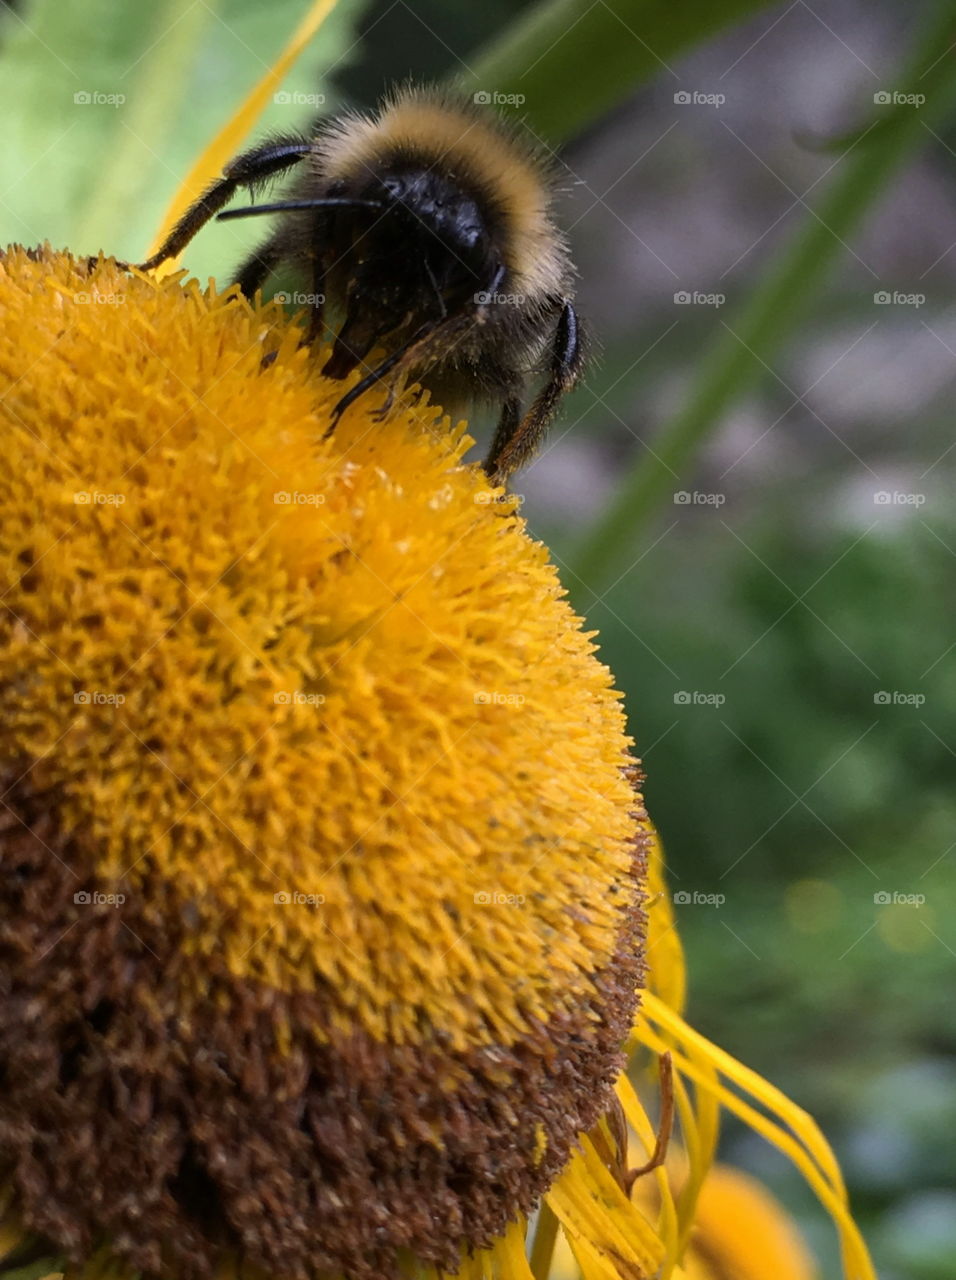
[426, 251]
[437, 212]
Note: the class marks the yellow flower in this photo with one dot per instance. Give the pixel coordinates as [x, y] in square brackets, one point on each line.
[325, 853]
[322, 874]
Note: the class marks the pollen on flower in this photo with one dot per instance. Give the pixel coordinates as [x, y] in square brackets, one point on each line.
[321, 863]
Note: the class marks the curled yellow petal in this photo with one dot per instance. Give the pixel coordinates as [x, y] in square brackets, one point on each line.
[811, 1154]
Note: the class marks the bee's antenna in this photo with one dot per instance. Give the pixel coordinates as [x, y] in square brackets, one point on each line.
[283, 205]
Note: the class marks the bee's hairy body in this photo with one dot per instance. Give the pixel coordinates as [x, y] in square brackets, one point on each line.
[423, 231]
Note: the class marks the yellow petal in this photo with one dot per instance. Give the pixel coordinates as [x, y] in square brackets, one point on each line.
[665, 955]
[742, 1231]
[668, 1227]
[811, 1154]
[611, 1238]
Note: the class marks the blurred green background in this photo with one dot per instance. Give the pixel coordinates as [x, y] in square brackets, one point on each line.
[748, 497]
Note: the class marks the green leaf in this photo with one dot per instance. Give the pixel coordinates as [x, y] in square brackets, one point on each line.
[106, 106]
[739, 355]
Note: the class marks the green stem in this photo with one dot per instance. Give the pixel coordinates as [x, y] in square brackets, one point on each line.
[738, 356]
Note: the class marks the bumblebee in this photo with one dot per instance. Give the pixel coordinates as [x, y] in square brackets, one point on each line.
[425, 232]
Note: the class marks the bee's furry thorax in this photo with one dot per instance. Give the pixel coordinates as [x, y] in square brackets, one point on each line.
[515, 180]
